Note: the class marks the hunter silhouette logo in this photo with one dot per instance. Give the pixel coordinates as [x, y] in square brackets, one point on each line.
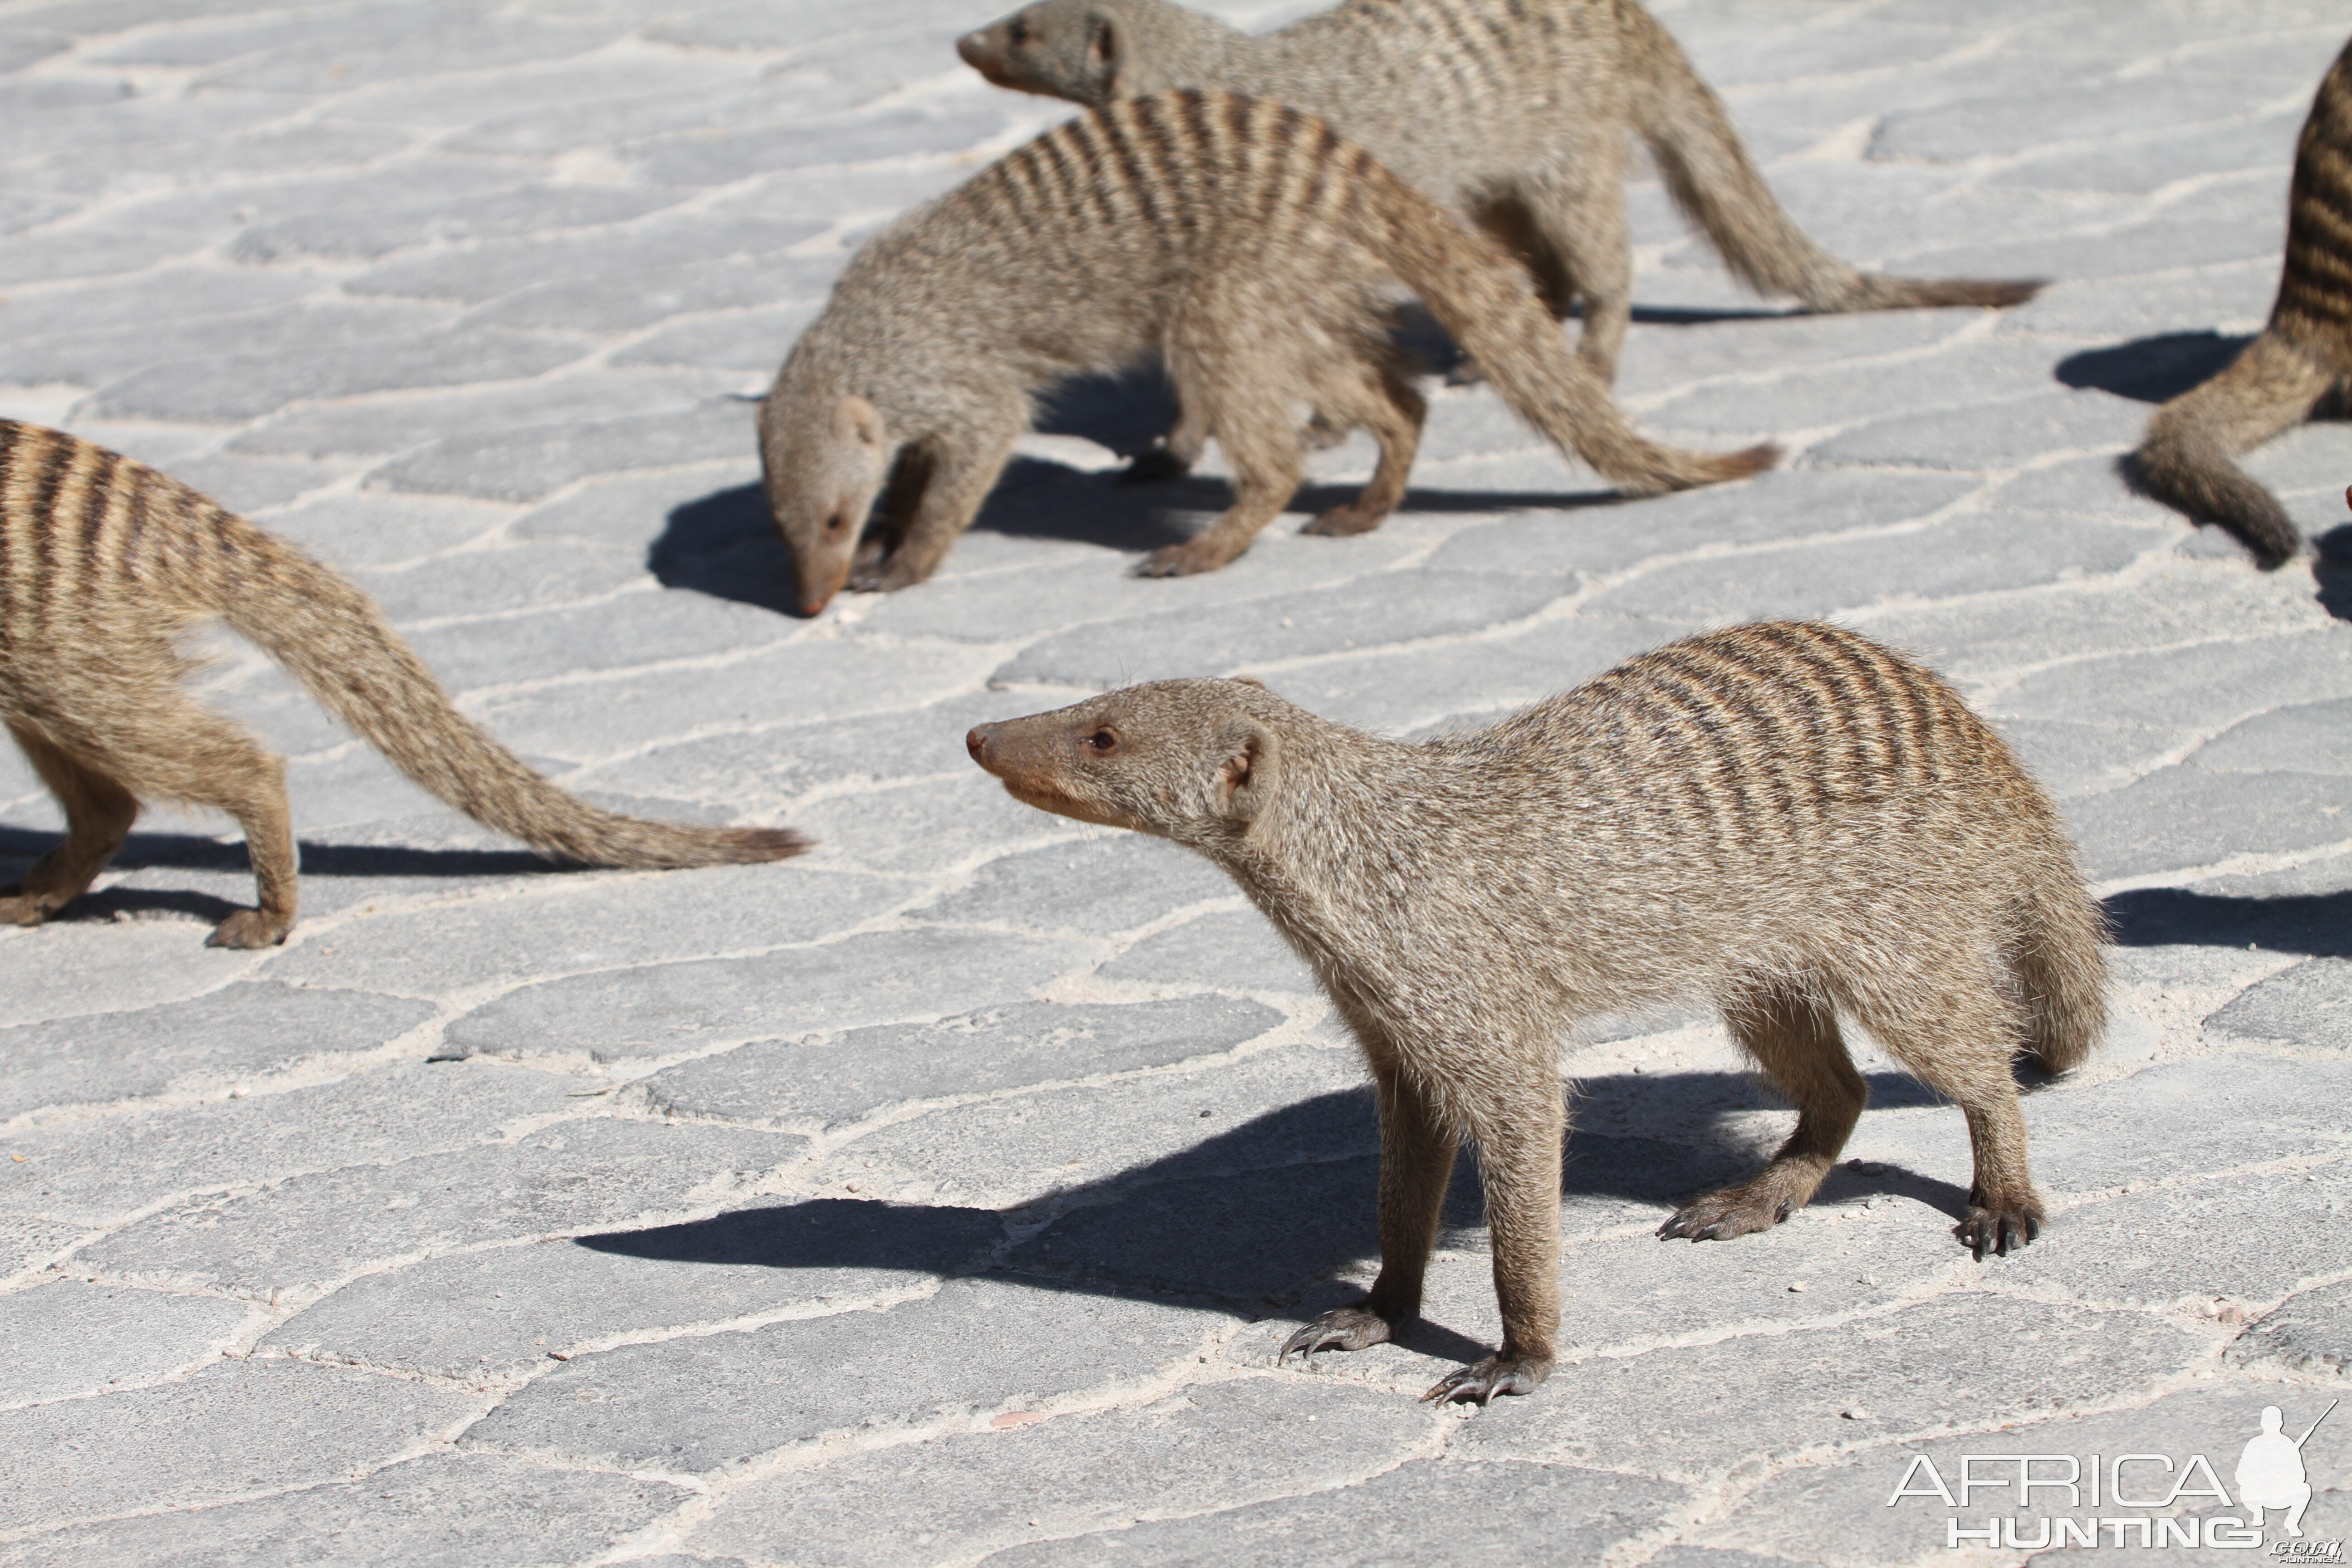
[2270, 1475]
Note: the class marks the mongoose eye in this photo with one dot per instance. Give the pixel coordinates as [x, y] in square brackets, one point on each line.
[1018, 35]
[1102, 741]
[835, 524]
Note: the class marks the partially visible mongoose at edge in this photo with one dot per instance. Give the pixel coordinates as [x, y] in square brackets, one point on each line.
[1515, 111]
[1786, 819]
[1242, 241]
[106, 563]
[2301, 356]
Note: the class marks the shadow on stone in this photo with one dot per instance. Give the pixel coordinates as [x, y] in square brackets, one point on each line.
[1263, 1216]
[2151, 370]
[19, 848]
[724, 544]
[2333, 570]
[2319, 925]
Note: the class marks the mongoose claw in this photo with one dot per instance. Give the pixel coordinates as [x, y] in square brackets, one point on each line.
[1182, 560]
[1719, 1216]
[1342, 1328]
[2003, 1230]
[249, 928]
[1494, 1374]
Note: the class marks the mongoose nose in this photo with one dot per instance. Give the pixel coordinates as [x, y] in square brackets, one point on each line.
[972, 47]
[977, 742]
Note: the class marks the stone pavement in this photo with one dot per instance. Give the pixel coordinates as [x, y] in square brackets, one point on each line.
[942, 1196]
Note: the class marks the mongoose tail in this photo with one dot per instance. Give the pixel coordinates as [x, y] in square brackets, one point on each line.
[1485, 301]
[1717, 185]
[333, 640]
[1786, 818]
[2187, 458]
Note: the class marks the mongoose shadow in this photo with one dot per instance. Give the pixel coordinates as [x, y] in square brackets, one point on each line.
[2152, 370]
[2333, 568]
[2319, 925]
[19, 848]
[1220, 1220]
[725, 545]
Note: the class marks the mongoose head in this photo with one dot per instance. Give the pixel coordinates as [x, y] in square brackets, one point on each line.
[821, 462]
[1194, 761]
[1061, 48]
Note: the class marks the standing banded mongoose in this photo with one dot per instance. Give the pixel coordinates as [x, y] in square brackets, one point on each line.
[1240, 240]
[2301, 356]
[1786, 819]
[1516, 113]
[106, 565]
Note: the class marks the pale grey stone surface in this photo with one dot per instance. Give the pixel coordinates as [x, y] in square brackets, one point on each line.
[944, 1196]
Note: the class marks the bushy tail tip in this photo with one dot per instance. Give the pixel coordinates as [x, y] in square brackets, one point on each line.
[1876, 291]
[636, 844]
[1655, 470]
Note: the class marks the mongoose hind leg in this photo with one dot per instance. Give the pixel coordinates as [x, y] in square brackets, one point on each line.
[1519, 1141]
[1793, 1037]
[98, 814]
[1174, 456]
[1259, 436]
[177, 750]
[1958, 1034]
[1416, 1163]
[1384, 402]
[1579, 206]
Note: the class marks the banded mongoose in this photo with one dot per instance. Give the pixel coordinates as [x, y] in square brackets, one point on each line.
[1786, 819]
[2301, 357]
[1240, 240]
[1516, 113]
[105, 564]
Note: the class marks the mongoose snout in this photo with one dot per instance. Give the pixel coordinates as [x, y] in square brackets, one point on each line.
[1787, 820]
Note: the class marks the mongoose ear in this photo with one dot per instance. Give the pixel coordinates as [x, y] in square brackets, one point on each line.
[1102, 56]
[855, 419]
[1245, 780]
[1249, 680]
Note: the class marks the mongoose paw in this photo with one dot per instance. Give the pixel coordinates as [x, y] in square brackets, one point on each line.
[15, 910]
[1719, 1216]
[250, 928]
[1153, 468]
[1465, 371]
[1495, 1374]
[2003, 1228]
[1342, 1328]
[881, 576]
[1342, 520]
[1182, 560]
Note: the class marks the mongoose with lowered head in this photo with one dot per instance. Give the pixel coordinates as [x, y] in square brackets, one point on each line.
[2301, 357]
[1514, 110]
[1785, 819]
[105, 564]
[1243, 242]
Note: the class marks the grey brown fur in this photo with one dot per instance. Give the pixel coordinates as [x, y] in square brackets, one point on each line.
[1514, 110]
[106, 563]
[1242, 241]
[2303, 354]
[1786, 819]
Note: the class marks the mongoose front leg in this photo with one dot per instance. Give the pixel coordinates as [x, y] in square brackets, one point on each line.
[98, 814]
[1416, 1163]
[1519, 1158]
[1794, 1039]
[962, 474]
[1393, 411]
